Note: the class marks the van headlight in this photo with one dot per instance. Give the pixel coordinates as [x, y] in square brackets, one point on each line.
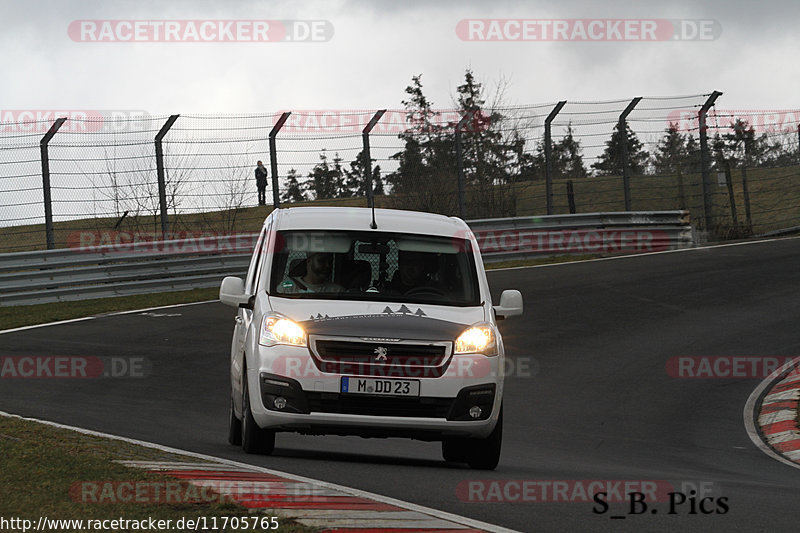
[276, 329]
[477, 339]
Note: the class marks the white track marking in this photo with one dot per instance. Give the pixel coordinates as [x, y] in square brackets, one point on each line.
[794, 455]
[783, 436]
[778, 416]
[23, 328]
[469, 522]
[776, 397]
[631, 256]
[115, 313]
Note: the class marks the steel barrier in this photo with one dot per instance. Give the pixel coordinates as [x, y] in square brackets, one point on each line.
[510, 239]
[123, 269]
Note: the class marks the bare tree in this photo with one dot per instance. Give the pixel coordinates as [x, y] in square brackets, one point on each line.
[229, 187]
[130, 183]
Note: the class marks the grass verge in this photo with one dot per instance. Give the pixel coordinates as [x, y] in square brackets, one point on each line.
[28, 315]
[46, 469]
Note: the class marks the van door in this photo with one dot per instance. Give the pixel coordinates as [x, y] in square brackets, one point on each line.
[243, 319]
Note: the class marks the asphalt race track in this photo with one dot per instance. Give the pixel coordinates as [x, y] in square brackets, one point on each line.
[598, 403]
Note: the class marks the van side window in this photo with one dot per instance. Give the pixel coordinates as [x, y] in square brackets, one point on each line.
[250, 283]
[263, 257]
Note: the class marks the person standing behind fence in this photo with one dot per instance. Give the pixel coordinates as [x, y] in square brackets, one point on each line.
[261, 183]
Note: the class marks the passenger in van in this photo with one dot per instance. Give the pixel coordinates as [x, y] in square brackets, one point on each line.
[314, 278]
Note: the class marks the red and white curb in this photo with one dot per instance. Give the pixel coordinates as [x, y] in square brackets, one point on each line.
[306, 502]
[777, 417]
[332, 508]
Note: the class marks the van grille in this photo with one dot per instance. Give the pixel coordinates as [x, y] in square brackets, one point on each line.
[389, 359]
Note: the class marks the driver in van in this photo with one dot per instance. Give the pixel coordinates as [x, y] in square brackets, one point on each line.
[412, 272]
[319, 267]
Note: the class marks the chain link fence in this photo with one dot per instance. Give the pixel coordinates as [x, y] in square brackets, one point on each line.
[99, 177]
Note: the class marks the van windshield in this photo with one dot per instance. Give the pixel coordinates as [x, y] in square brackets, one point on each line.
[374, 266]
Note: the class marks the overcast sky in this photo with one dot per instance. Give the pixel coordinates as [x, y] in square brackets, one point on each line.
[364, 57]
[377, 46]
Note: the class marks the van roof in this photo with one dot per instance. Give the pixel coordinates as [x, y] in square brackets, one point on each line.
[359, 218]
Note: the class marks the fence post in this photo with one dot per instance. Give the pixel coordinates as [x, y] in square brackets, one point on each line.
[367, 157]
[746, 193]
[623, 132]
[548, 156]
[681, 189]
[746, 189]
[273, 158]
[462, 210]
[162, 185]
[705, 159]
[731, 197]
[571, 197]
[48, 204]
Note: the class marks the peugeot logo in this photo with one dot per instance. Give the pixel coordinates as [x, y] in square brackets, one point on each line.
[380, 353]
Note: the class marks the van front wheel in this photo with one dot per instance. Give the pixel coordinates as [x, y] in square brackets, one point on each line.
[455, 450]
[234, 428]
[254, 439]
[484, 454]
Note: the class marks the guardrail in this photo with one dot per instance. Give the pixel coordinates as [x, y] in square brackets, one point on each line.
[508, 239]
[118, 270]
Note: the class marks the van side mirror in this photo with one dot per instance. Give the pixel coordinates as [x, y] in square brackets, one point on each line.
[510, 304]
[231, 292]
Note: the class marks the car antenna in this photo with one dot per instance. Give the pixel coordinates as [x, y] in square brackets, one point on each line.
[368, 163]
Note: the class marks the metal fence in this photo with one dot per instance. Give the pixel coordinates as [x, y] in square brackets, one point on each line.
[135, 173]
[201, 261]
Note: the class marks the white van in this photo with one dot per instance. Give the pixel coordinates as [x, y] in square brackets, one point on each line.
[371, 323]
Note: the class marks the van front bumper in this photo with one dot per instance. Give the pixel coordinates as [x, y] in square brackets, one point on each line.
[284, 405]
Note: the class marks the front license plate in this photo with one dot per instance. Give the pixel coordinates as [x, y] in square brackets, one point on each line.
[383, 387]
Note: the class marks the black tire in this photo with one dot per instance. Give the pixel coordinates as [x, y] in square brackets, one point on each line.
[234, 428]
[484, 454]
[454, 450]
[254, 439]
